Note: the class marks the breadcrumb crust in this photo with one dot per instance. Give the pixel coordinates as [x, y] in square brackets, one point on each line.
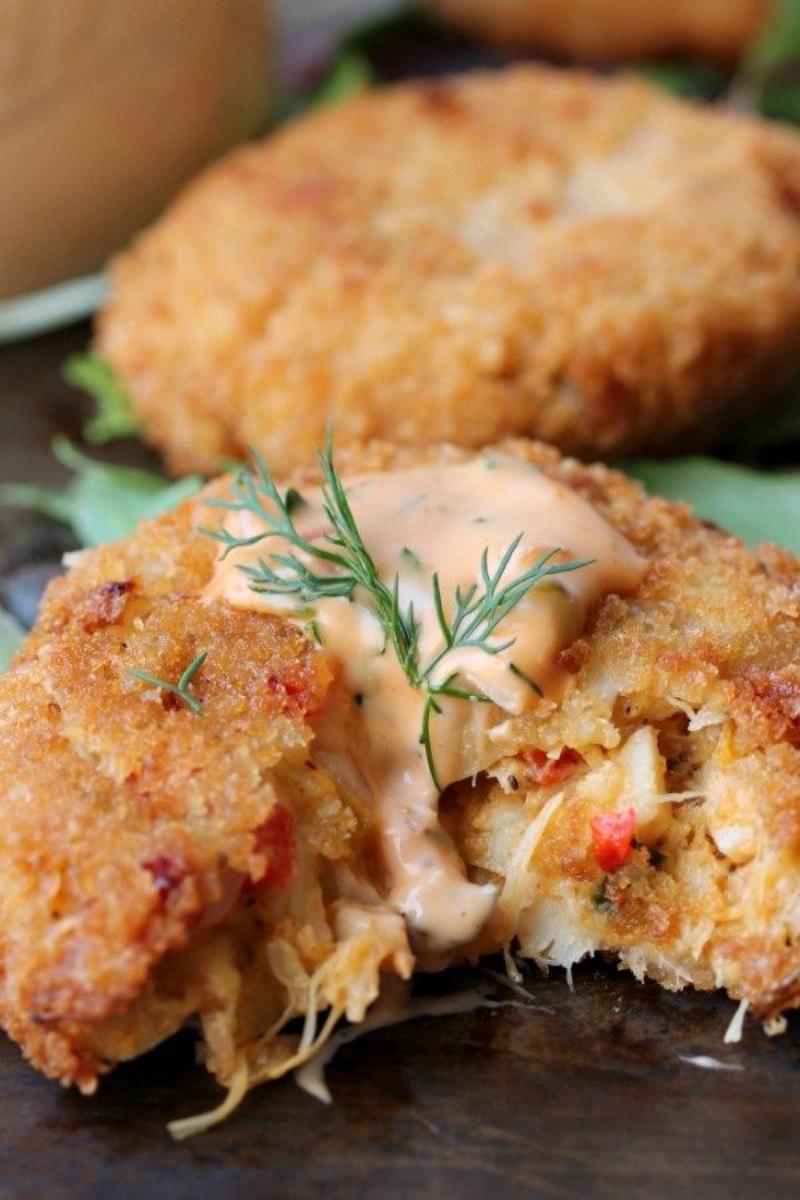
[586, 261]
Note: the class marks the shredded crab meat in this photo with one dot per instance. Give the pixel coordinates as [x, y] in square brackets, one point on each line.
[707, 1063]
[699, 718]
[512, 970]
[187, 1127]
[514, 894]
[344, 985]
[733, 1033]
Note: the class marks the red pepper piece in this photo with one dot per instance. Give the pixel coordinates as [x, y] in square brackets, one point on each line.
[612, 838]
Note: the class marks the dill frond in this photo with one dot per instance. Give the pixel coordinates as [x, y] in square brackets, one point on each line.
[181, 688]
[340, 565]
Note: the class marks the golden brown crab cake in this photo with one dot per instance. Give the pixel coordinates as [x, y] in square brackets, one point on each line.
[528, 251]
[610, 30]
[161, 861]
[158, 863]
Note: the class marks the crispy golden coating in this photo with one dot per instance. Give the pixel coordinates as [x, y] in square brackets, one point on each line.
[124, 814]
[590, 262]
[610, 30]
[132, 829]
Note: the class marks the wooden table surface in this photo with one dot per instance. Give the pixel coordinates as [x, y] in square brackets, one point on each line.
[584, 1094]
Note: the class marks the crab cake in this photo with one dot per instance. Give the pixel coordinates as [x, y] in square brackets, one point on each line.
[243, 795]
[164, 853]
[610, 30]
[591, 262]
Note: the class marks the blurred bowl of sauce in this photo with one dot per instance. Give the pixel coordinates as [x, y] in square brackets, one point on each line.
[106, 108]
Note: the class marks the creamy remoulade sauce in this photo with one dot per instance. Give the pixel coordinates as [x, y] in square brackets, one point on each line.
[414, 522]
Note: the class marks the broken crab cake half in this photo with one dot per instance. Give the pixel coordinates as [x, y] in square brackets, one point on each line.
[241, 790]
[164, 860]
[587, 261]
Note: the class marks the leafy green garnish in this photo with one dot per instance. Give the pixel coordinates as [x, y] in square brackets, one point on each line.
[114, 417]
[342, 564]
[350, 73]
[692, 79]
[181, 688]
[102, 502]
[768, 77]
[11, 634]
[771, 69]
[755, 505]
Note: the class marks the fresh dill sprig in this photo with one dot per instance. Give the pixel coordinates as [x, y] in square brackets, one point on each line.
[346, 565]
[478, 613]
[431, 706]
[343, 551]
[181, 688]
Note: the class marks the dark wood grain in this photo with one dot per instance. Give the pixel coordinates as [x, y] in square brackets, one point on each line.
[589, 1098]
[586, 1098]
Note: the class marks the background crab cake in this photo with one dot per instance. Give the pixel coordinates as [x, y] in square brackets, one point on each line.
[588, 261]
[599, 30]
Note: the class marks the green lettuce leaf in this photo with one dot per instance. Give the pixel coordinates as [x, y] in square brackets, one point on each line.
[114, 417]
[350, 73]
[767, 80]
[692, 79]
[11, 634]
[101, 503]
[771, 69]
[756, 505]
